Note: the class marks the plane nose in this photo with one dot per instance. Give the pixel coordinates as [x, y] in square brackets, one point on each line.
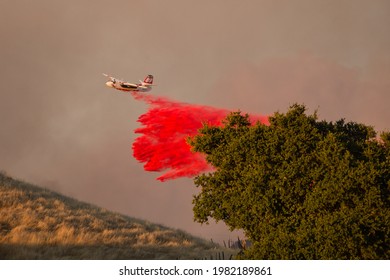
[109, 84]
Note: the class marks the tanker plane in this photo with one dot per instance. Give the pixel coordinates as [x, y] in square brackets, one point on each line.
[143, 86]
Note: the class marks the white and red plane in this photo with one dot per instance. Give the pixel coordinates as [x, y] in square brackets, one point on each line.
[143, 86]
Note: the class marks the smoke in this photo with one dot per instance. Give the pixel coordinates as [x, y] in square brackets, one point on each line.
[165, 126]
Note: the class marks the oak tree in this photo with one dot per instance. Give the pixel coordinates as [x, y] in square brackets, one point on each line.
[299, 188]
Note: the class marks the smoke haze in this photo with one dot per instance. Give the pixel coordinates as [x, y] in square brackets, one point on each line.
[62, 128]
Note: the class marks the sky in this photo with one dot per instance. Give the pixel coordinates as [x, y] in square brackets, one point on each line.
[61, 128]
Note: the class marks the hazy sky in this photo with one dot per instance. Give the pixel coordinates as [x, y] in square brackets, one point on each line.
[62, 128]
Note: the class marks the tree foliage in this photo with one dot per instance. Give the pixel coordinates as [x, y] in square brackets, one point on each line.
[299, 188]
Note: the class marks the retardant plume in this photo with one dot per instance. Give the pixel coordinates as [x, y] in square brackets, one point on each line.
[165, 127]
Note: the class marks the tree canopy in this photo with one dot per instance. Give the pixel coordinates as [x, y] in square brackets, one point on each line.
[299, 188]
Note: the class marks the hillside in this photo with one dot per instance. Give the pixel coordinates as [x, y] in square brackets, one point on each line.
[37, 223]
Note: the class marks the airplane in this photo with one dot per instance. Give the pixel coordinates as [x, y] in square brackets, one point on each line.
[143, 86]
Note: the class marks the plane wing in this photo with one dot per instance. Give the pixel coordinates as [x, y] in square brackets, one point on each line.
[113, 79]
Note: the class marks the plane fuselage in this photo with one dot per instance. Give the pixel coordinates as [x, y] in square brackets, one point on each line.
[128, 86]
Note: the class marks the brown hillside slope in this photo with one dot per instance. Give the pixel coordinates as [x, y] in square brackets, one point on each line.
[36, 223]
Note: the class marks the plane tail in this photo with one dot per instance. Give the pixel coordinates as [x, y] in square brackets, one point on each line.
[148, 80]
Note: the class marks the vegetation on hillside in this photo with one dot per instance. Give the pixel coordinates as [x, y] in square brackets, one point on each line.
[36, 223]
[300, 188]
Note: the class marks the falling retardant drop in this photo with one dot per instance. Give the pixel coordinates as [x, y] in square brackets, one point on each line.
[162, 145]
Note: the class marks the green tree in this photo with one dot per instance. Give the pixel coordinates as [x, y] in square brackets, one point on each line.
[299, 188]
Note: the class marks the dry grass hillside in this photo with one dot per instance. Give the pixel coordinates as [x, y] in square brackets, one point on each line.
[36, 223]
